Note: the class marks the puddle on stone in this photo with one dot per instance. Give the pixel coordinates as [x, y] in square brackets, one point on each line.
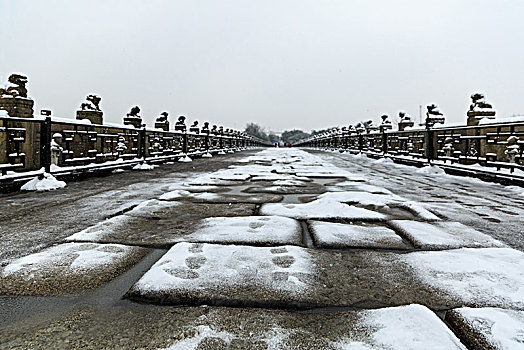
[34, 309]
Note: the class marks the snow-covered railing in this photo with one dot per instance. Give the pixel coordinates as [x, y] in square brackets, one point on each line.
[29, 144]
[494, 144]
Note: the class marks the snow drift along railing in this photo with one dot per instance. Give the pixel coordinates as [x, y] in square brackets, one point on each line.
[31, 144]
[499, 145]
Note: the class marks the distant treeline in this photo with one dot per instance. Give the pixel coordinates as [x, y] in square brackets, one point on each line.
[291, 136]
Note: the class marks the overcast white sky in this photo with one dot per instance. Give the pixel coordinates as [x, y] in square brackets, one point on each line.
[282, 64]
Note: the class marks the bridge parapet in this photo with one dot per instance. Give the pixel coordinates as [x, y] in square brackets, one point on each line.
[25, 144]
[491, 143]
[29, 143]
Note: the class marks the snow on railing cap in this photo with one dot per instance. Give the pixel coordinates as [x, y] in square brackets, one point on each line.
[512, 119]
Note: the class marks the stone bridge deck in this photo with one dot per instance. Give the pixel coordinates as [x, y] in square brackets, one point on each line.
[279, 248]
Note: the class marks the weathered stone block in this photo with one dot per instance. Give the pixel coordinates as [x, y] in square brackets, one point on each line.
[17, 107]
[96, 117]
[475, 116]
[403, 125]
[134, 121]
[162, 125]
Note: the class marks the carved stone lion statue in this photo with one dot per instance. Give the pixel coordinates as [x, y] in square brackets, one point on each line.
[16, 86]
[477, 100]
[162, 118]
[180, 124]
[91, 103]
[433, 110]
[133, 113]
[404, 117]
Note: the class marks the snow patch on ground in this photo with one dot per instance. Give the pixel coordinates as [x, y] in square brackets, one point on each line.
[323, 208]
[147, 208]
[69, 256]
[384, 160]
[249, 229]
[47, 183]
[290, 182]
[100, 230]
[202, 332]
[364, 198]
[187, 267]
[404, 327]
[502, 329]
[183, 194]
[516, 189]
[327, 234]
[144, 166]
[185, 159]
[191, 188]
[431, 170]
[444, 235]
[359, 187]
[274, 339]
[419, 210]
[478, 277]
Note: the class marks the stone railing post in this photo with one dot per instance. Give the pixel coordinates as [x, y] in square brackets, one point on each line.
[45, 144]
[185, 142]
[142, 148]
[429, 147]
[384, 142]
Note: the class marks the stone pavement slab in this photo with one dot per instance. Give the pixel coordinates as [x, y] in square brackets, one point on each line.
[335, 235]
[324, 208]
[67, 268]
[275, 187]
[488, 328]
[226, 274]
[157, 209]
[156, 327]
[356, 187]
[477, 277]
[131, 230]
[407, 327]
[254, 230]
[443, 235]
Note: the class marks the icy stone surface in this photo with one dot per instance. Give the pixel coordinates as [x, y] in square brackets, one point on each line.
[143, 326]
[210, 273]
[489, 327]
[364, 198]
[101, 230]
[334, 235]
[443, 235]
[477, 277]
[358, 187]
[184, 194]
[404, 327]
[325, 208]
[248, 229]
[67, 267]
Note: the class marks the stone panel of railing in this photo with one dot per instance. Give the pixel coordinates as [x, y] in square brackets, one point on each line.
[28, 144]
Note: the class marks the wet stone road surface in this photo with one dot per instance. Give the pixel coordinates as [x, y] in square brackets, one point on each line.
[265, 249]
